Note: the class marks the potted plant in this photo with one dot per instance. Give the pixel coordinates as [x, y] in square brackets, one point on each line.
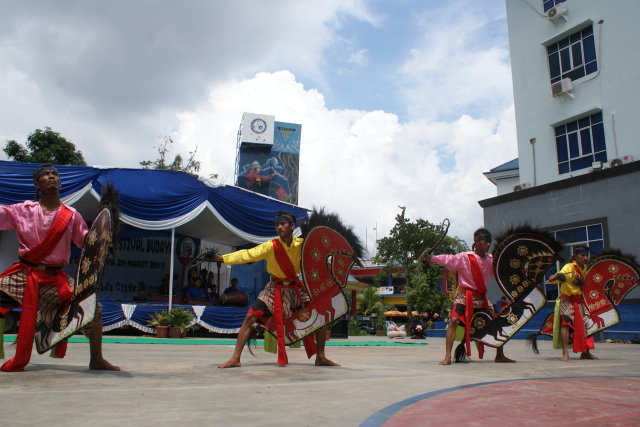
[379, 324]
[160, 320]
[180, 319]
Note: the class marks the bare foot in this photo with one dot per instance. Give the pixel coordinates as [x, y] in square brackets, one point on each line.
[564, 358]
[102, 365]
[589, 356]
[323, 361]
[504, 359]
[230, 364]
[446, 361]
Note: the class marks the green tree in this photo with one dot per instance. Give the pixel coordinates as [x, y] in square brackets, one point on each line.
[423, 294]
[401, 249]
[191, 166]
[45, 146]
[369, 302]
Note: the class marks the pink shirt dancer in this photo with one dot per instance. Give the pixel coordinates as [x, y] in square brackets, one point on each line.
[32, 225]
[460, 263]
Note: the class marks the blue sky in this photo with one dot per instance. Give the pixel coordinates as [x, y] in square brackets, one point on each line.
[401, 102]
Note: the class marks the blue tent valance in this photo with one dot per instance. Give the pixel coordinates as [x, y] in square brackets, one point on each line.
[159, 200]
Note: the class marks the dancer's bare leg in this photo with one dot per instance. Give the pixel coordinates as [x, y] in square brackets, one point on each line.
[321, 359]
[451, 336]
[501, 358]
[564, 339]
[97, 361]
[243, 337]
[587, 355]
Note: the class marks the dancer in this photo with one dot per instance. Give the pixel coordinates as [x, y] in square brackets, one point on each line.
[474, 268]
[45, 229]
[279, 252]
[572, 314]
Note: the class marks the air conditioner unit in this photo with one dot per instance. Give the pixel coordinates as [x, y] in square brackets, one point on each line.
[563, 87]
[521, 186]
[620, 161]
[557, 11]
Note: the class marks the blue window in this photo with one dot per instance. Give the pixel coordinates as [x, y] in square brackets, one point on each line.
[573, 57]
[590, 235]
[548, 4]
[579, 143]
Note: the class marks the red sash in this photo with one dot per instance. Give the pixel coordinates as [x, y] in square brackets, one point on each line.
[287, 268]
[468, 307]
[35, 278]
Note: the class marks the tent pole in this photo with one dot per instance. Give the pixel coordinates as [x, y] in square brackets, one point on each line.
[173, 238]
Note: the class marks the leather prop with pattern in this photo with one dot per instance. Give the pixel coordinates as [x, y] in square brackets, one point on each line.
[88, 275]
[327, 259]
[520, 262]
[609, 279]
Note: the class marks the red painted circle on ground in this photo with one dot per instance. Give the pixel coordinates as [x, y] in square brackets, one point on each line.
[595, 401]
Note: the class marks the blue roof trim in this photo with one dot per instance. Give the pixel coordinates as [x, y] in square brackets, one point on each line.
[510, 165]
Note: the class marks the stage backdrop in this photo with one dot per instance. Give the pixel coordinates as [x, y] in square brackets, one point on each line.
[141, 256]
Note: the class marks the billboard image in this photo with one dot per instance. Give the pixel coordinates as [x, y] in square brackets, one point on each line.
[272, 171]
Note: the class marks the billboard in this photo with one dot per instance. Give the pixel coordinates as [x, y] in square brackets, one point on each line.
[257, 129]
[272, 170]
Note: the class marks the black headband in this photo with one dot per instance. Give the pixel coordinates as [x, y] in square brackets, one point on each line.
[483, 236]
[285, 218]
[580, 250]
[42, 169]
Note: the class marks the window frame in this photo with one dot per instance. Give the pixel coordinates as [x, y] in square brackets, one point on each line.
[548, 4]
[573, 55]
[580, 141]
[602, 222]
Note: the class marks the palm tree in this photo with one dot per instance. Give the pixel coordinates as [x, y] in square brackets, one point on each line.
[369, 302]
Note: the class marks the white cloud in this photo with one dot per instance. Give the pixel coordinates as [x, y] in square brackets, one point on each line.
[457, 66]
[358, 58]
[360, 164]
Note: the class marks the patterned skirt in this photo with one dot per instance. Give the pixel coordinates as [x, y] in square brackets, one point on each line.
[12, 293]
[460, 302]
[292, 298]
[567, 312]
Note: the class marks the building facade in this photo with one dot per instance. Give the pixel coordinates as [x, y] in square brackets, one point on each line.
[576, 93]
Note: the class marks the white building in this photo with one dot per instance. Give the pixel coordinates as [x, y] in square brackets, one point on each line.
[575, 66]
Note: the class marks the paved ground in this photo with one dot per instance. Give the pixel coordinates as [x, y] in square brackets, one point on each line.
[163, 385]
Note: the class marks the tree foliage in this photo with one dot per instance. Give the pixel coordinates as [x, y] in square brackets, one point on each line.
[423, 294]
[369, 302]
[178, 164]
[411, 238]
[401, 249]
[45, 146]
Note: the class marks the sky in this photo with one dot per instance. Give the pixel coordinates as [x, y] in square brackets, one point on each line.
[402, 102]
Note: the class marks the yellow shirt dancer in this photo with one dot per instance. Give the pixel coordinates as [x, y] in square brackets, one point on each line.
[281, 294]
[572, 314]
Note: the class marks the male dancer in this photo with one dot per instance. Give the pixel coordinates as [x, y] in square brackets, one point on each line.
[572, 312]
[474, 269]
[292, 293]
[45, 229]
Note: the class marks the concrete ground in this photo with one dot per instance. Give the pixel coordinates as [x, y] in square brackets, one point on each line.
[173, 384]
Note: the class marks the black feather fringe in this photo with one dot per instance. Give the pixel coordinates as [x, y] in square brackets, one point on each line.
[528, 229]
[460, 354]
[253, 339]
[615, 253]
[532, 340]
[110, 198]
[321, 218]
